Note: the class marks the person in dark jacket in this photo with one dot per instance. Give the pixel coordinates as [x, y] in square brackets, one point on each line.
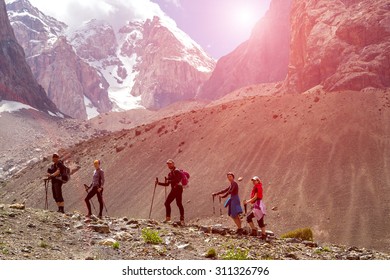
[96, 189]
[54, 174]
[233, 202]
[174, 179]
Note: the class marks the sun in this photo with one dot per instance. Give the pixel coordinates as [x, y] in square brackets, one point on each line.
[244, 17]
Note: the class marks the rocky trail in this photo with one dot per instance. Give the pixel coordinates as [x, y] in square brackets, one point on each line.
[31, 234]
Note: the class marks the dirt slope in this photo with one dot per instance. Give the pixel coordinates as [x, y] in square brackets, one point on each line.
[323, 158]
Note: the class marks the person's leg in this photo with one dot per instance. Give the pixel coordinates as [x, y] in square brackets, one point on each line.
[262, 226]
[168, 201]
[249, 219]
[89, 196]
[179, 199]
[237, 221]
[57, 194]
[60, 203]
[100, 199]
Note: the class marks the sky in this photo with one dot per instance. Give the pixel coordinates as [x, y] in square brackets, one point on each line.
[219, 26]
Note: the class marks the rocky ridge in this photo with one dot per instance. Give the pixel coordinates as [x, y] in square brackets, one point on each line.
[17, 82]
[93, 68]
[33, 234]
[76, 88]
[339, 45]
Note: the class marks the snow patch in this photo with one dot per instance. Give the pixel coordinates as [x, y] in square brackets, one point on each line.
[92, 111]
[13, 106]
[58, 114]
[123, 100]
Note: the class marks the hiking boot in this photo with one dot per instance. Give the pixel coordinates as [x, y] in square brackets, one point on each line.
[166, 221]
[239, 231]
[253, 232]
[182, 223]
[100, 217]
[264, 237]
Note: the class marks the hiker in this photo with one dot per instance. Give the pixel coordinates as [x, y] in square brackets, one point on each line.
[233, 202]
[96, 188]
[174, 179]
[54, 174]
[258, 208]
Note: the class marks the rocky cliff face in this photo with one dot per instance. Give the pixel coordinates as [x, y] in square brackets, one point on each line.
[75, 87]
[150, 64]
[169, 70]
[340, 45]
[261, 59]
[17, 82]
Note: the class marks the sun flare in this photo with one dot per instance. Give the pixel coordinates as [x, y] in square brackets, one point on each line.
[245, 17]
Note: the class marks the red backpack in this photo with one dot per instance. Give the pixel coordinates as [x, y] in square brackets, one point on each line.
[185, 177]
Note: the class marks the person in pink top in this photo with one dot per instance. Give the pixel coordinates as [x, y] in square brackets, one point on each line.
[258, 208]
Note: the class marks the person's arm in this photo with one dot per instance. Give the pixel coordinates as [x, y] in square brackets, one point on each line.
[253, 199]
[165, 184]
[221, 192]
[57, 172]
[102, 180]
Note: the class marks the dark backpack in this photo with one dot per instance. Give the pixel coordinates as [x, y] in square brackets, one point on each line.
[65, 174]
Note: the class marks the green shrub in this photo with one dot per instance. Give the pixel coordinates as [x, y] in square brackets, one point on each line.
[322, 250]
[151, 236]
[115, 245]
[301, 233]
[236, 254]
[211, 253]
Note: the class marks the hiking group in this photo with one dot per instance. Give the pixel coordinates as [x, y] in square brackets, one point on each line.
[59, 174]
[177, 179]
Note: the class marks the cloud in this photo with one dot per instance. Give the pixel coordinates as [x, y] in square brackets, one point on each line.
[116, 12]
[174, 2]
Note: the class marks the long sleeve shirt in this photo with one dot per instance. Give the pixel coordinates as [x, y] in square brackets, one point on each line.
[232, 190]
[174, 179]
[98, 178]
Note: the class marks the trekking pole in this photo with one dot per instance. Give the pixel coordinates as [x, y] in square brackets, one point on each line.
[220, 206]
[213, 205]
[151, 206]
[46, 188]
[245, 206]
[86, 189]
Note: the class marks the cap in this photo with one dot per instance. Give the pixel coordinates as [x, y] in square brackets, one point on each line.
[170, 161]
[230, 173]
[55, 155]
[255, 178]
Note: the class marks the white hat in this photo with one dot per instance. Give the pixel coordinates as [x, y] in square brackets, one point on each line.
[170, 161]
[255, 178]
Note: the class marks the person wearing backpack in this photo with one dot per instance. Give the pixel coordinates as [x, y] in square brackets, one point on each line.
[258, 209]
[174, 179]
[54, 173]
[96, 189]
[233, 202]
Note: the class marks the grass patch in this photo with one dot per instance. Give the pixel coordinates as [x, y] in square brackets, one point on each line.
[151, 236]
[301, 233]
[319, 251]
[211, 253]
[5, 251]
[115, 245]
[236, 254]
